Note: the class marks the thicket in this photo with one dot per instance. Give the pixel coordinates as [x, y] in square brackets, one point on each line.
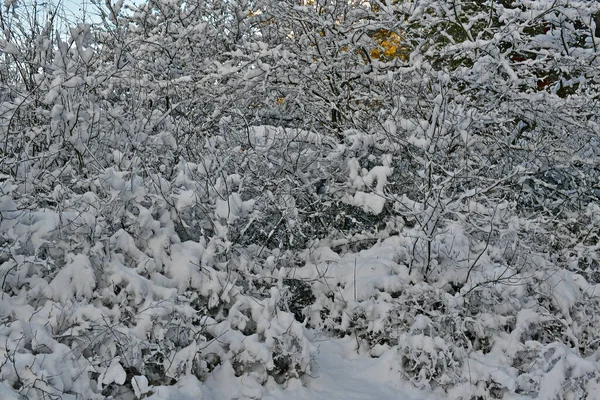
[191, 185]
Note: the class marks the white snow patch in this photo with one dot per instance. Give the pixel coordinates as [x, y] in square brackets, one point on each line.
[114, 373]
[75, 280]
[370, 202]
[139, 384]
[186, 388]
[11, 49]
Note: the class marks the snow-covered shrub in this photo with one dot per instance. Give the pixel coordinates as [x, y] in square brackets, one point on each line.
[181, 192]
[124, 248]
[127, 296]
[482, 338]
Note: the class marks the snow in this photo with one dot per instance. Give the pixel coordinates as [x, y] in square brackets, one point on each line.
[74, 82]
[140, 386]
[75, 281]
[86, 55]
[185, 199]
[186, 388]
[339, 374]
[10, 48]
[249, 206]
[6, 393]
[114, 373]
[370, 202]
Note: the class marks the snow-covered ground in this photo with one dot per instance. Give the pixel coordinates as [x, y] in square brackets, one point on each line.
[340, 374]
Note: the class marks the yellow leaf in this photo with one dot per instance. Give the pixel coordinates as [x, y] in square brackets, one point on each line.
[389, 45]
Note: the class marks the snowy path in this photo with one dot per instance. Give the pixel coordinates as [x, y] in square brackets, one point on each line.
[344, 375]
[341, 375]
